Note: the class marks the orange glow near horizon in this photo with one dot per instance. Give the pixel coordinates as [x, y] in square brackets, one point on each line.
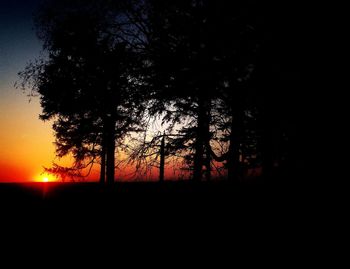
[26, 146]
[45, 178]
[26, 143]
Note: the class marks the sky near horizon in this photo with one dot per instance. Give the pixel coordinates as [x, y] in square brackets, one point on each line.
[26, 143]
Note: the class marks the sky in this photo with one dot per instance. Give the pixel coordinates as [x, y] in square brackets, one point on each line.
[26, 143]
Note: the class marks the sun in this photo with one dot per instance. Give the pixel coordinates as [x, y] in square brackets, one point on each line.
[44, 178]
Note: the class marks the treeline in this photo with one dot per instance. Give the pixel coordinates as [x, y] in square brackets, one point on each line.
[220, 75]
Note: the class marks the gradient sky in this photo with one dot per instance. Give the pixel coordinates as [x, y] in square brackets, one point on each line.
[25, 141]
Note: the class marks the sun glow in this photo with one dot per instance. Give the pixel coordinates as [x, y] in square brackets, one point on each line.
[45, 178]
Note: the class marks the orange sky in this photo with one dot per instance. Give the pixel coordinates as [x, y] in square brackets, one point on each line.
[26, 143]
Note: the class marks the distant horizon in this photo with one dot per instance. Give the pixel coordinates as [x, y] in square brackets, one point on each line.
[154, 179]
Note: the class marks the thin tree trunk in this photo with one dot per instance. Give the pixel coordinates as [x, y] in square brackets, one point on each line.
[103, 165]
[266, 142]
[110, 151]
[199, 143]
[207, 160]
[234, 164]
[198, 160]
[162, 159]
[207, 164]
[202, 142]
[103, 153]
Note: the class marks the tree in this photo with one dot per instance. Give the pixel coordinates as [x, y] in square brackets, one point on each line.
[203, 55]
[199, 65]
[87, 83]
[282, 98]
[182, 75]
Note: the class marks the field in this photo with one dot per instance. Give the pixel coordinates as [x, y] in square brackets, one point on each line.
[154, 198]
[163, 213]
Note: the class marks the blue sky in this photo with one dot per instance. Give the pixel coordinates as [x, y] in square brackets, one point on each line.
[18, 42]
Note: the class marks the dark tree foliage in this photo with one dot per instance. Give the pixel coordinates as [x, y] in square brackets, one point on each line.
[218, 73]
[87, 84]
[203, 54]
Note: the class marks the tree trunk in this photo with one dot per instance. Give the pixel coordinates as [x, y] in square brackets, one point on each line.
[267, 148]
[162, 159]
[233, 162]
[103, 164]
[199, 143]
[265, 142]
[207, 160]
[202, 141]
[103, 152]
[110, 150]
[198, 159]
[207, 164]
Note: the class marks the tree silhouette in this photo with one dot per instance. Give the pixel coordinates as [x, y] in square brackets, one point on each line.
[86, 83]
[180, 65]
[279, 91]
[214, 72]
[203, 55]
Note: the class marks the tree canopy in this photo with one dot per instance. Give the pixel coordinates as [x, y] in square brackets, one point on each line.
[199, 66]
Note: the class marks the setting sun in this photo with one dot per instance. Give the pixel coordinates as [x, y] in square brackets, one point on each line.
[45, 178]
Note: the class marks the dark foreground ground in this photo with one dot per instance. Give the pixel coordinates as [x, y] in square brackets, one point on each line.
[181, 216]
[155, 199]
[179, 204]
[141, 194]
